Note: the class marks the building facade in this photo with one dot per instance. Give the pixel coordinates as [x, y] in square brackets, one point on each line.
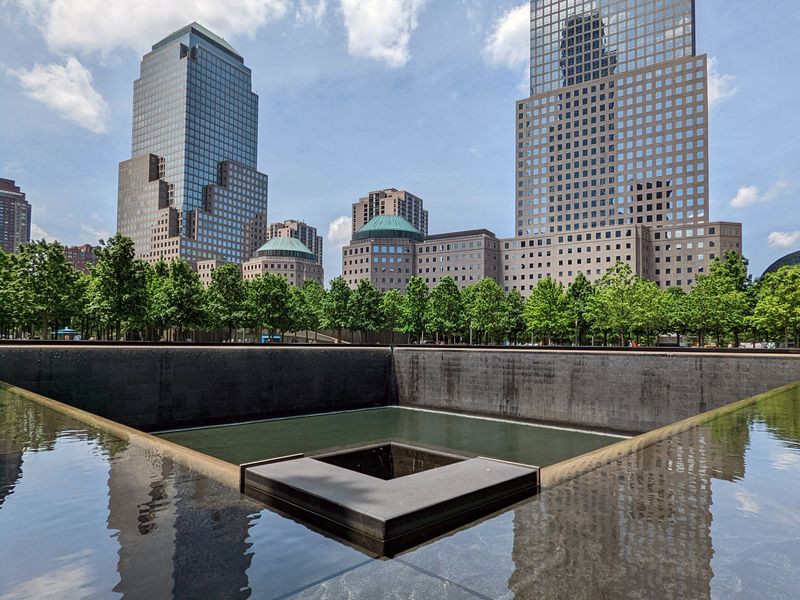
[15, 217]
[388, 251]
[83, 258]
[390, 202]
[612, 147]
[301, 231]
[466, 256]
[191, 189]
[287, 257]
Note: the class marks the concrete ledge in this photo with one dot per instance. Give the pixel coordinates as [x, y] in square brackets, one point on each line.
[389, 516]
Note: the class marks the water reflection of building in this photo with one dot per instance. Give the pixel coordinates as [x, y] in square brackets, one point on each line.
[643, 522]
[178, 533]
[10, 468]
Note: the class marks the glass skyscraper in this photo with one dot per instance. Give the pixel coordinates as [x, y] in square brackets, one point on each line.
[612, 147]
[191, 189]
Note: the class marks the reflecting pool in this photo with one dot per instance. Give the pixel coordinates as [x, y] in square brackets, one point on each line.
[506, 440]
[713, 512]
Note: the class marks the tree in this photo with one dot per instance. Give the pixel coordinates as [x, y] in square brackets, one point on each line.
[335, 313]
[443, 310]
[46, 284]
[512, 318]
[547, 310]
[579, 293]
[9, 296]
[721, 300]
[118, 290]
[314, 299]
[485, 310]
[777, 310]
[677, 311]
[268, 303]
[392, 311]
[414, 303]
[364, 309]
[610, 308]
[178, 300]
[225, 298]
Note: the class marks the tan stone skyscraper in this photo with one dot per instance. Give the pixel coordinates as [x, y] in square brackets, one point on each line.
[612, 147]
[300, 230]
[191, 188]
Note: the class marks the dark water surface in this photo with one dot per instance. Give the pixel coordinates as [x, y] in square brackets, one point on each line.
[517, 442]
[711, 513]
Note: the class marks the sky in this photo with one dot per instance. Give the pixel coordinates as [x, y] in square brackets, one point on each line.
[359, 95]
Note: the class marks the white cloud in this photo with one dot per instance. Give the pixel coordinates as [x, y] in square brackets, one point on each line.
[339, 231]
[748, 502]
[787, 460]
[721, 86]
[95, 233]
[381, 29]
[37, 233]
[508, 42]
[68, 89]
[309, 11]
[103, 26]
[784, 239]
[748, 195]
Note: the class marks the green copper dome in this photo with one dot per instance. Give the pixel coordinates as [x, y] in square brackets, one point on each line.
[287, 247]
[388, 226]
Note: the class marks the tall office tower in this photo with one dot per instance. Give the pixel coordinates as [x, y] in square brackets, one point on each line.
[191, 189]
[15, 217]
[390, 202]
[612, 147]
[300, 231]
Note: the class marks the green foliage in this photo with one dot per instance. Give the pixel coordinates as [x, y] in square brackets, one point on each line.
[720, 299]
[364, 308]
[611, 307]
[314, 301]
[512, 319]
[392, 311]
[414, 304]
[177, 299]
[547, 311]
[485, 309]
[580, 292]
[118, 293]
[268, 303]
[443, 310]
[226, 297]
[777, 310]
[45, 285]
[336, 306]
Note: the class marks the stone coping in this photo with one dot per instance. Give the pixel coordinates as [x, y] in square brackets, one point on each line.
[389, 516]
[213, 468]
[558, 473]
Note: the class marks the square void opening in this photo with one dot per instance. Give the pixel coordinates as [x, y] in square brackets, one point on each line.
[389, 461]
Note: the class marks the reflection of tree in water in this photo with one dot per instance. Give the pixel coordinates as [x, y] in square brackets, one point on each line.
[782, 416]
[29, 427]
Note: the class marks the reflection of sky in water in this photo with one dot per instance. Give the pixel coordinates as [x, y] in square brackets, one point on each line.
[712, 512]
